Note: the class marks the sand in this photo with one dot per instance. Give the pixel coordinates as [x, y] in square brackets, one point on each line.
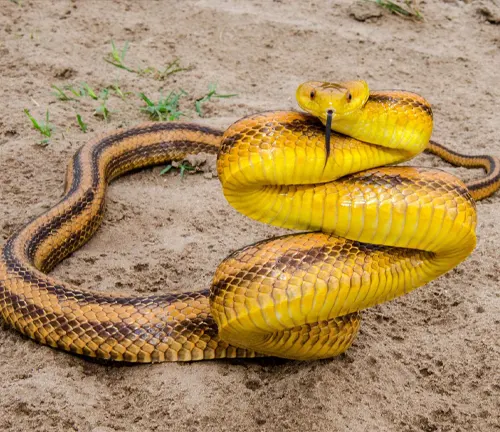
[428, 361]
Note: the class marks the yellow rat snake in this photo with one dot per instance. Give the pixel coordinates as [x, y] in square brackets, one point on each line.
[375, 232]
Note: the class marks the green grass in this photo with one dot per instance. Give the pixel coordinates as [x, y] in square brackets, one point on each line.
[81, 123]
[83, 91]
[44, 127]
[86, 90]
[407, 9]
[61, 94]
[75, 92]
[102, 110]
[119, 92]
[212, 93]
[117, 57]
[183, 167]
[172, 68]
[166, 108]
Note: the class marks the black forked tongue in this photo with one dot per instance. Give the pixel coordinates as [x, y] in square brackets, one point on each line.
[329, 116]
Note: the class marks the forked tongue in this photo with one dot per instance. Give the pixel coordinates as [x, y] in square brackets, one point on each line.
[329, 116]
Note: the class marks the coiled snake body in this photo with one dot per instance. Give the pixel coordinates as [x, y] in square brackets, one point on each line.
[377, 233]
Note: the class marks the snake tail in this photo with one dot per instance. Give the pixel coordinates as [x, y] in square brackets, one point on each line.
[480, 188]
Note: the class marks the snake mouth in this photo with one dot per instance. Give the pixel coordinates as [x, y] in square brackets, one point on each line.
[328, 132]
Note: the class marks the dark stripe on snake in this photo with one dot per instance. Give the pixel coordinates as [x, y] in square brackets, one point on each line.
[44, 231]
[379, 98]
[312, 124]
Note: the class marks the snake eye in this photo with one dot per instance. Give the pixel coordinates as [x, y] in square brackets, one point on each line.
[312, 94]
[349, 97]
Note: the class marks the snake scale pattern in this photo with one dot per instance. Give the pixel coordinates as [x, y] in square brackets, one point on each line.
[374, 232]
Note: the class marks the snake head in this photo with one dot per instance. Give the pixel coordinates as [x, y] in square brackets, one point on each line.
[341, 99]
[332, 101]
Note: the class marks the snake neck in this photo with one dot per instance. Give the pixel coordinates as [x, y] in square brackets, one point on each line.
[394, 119]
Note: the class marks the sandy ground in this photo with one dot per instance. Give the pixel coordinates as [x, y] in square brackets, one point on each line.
[426, 362]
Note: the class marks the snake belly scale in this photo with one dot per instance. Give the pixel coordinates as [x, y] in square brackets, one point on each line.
[379, 232]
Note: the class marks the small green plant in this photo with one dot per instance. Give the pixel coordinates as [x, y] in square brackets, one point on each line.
[60, 94]
[172, 68]
[183, 167]
[81, 123]
[86, 90]
[76, 92]
[408, 10]
[117, 57]
[166, 108]
[212, 93]
[119, 92]
[102, 110]
[45, 128]
[83, 91]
